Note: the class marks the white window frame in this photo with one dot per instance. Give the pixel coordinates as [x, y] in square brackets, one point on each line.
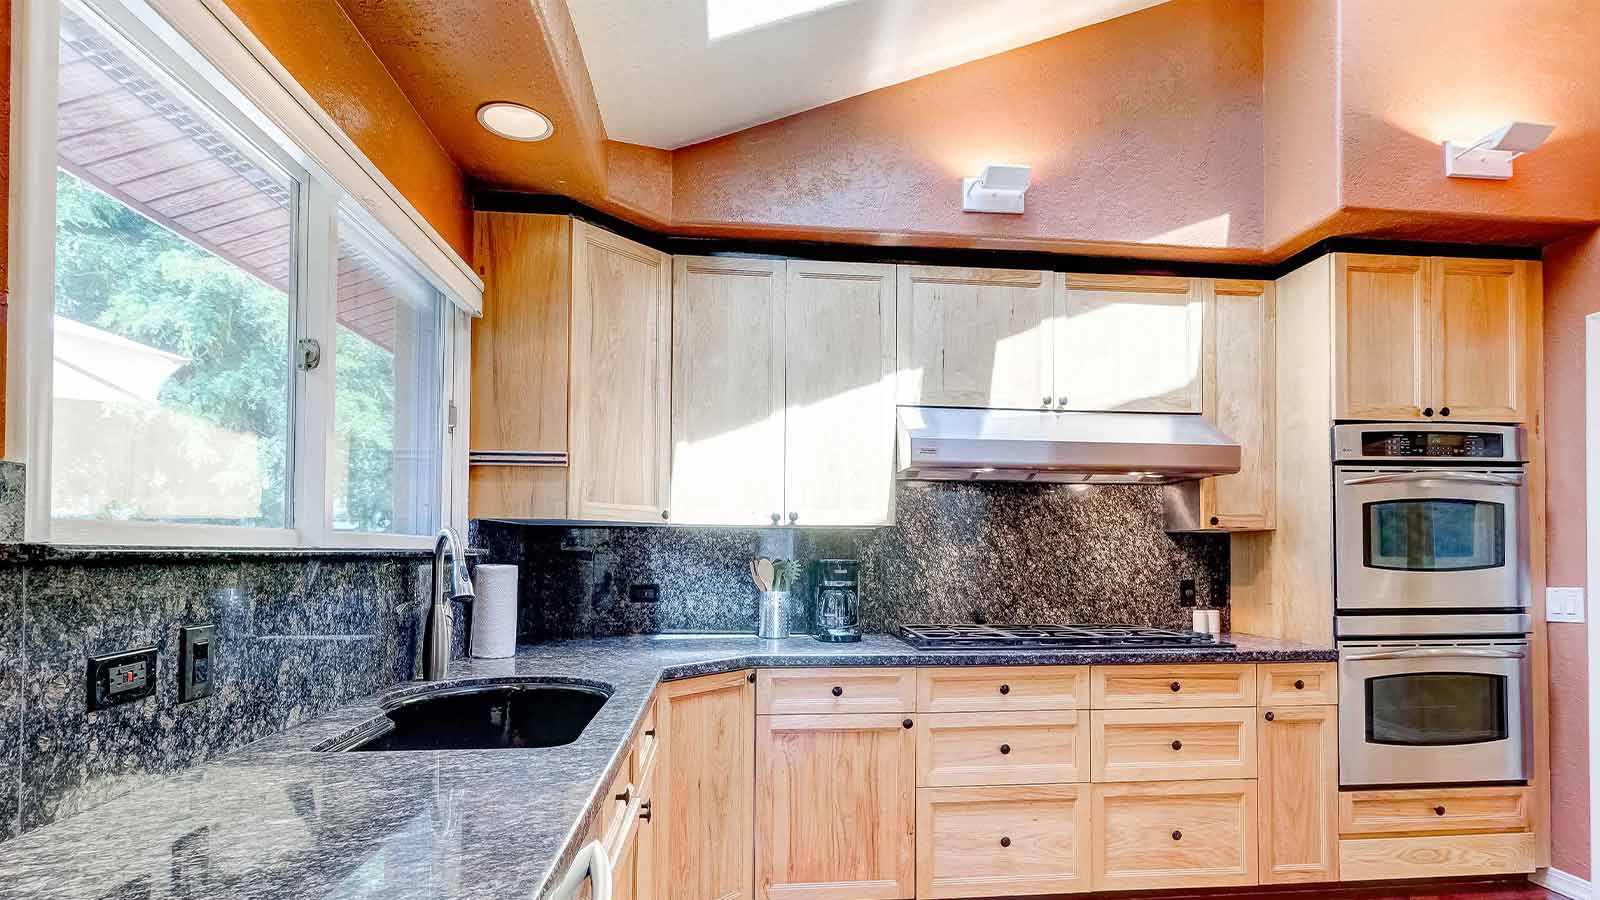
[210, 52]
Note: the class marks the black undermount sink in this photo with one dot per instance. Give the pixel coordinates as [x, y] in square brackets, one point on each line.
[485, 717]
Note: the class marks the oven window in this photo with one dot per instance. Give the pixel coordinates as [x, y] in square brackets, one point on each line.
[1436, 709]
[1435, 535]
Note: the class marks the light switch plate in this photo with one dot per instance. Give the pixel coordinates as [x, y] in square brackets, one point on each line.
[1563, 604]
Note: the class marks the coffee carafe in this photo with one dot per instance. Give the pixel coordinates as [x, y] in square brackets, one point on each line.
[837, 599]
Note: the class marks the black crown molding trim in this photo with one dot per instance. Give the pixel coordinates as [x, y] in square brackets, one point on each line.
[838, 251]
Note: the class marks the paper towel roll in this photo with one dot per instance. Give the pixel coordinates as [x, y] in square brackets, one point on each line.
[494, 611]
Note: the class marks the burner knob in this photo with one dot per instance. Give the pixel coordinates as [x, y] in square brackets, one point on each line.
[838, 691]
[1005, 688]
[1177, 745]
[1176, 687]
[1005, 749]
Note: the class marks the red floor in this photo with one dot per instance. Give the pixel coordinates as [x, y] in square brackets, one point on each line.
[1495, 889]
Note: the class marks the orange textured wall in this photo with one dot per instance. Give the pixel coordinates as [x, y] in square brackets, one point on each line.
[1572, 292]
[1145, 129]
[324, 51]
[1300, 78]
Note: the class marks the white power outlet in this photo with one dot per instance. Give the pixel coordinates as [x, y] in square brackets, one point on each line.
[1563, 604]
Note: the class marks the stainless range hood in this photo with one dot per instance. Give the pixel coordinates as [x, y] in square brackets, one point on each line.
[949, 444]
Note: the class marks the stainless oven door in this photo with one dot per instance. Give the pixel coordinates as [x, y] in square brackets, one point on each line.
[1434, 712]
[1428, 539]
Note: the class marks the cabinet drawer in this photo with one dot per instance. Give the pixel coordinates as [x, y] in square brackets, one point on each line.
[1174, 744]
[1002, 748]
[1435, 856]
[1001, 842]
[615, 803]
[810, 691]
[644, 743]
[1298, 684]
[1184, 834]
[1436, 811]
[1155, 687]
[991, 689]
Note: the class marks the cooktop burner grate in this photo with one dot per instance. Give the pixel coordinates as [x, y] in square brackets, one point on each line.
[1053, 637]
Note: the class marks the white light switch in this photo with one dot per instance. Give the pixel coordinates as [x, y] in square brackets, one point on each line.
[1563, 604]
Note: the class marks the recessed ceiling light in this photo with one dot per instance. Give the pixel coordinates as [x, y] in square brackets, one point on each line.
[515, 122]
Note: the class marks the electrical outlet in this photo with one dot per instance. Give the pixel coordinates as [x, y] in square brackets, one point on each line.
[644, 593]
[1563, 604]
[121, 677]
[197, 658]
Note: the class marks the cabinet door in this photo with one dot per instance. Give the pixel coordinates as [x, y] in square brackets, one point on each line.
[703, 786]
[646, 882]
[839, 376]
[1480, 343]
[1186, 834]
[1129, 343]
[1381, 335]
[621, 369]
[974, 337]
[836, 807]
[1298, 761]
[727, 391]
[1241, 400]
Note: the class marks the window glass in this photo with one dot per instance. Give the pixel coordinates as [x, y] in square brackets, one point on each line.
[387, 452]
[174, 261]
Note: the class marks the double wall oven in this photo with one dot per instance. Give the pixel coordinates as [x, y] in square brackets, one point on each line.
[1431, 587]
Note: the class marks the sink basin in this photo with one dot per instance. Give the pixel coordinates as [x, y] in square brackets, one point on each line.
[486, 717]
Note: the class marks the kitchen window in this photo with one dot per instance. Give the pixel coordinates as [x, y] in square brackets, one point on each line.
[240, 353]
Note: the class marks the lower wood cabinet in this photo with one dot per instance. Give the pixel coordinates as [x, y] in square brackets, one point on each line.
[1436, 856]
[1183, 834]
[1174, 744]
[1299, 779]
[836, 807]
[1003, 748]
[1003, 841]
[703, 788]
[633, 872]
[1435, 832]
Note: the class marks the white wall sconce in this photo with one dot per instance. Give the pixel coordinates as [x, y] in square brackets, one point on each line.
[998, 190]
[1490, 157]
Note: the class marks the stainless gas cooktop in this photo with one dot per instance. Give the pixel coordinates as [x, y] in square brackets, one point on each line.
[1053, 637]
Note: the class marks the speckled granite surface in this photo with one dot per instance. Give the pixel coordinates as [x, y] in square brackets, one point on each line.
[958, 552]
[276, 821]
[12, 507]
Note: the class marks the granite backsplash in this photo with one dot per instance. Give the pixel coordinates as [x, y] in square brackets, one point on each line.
[957, 552]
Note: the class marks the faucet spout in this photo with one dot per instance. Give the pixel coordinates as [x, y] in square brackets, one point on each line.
[450, 582]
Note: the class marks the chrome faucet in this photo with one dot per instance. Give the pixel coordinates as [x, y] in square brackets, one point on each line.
[436, 640]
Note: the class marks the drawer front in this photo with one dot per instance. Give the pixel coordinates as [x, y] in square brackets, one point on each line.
[992, 689]
[644, 743]
[1163, 687]
[1298, 684]
[1435, 856]
[1002, 748]
[1436, 811]
[812, 691]
[1186, 834]
[1003, 842]
[1173, 744]
[618, 798]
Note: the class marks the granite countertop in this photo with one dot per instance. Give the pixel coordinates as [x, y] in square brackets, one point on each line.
[276, 821]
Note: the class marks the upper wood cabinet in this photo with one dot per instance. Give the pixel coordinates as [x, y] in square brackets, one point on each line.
[1129, 343]
[783, 396]
[703, 789]
[975, 337]
[1241, 400]
[727, 390]
[1431, 338]
[570, 373]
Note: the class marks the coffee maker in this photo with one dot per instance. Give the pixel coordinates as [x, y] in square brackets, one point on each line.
[837, 599]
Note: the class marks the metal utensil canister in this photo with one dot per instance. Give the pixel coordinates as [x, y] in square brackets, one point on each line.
[774, 621]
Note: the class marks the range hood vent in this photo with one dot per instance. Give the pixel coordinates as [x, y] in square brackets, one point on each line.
[939, 443]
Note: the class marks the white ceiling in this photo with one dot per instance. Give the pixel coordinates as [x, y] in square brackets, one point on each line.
[668, 73]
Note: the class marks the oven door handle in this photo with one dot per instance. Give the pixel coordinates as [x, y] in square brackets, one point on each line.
[1438, 652]
[1469, 477]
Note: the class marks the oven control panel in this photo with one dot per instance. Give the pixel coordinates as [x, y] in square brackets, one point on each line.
[1381, 441]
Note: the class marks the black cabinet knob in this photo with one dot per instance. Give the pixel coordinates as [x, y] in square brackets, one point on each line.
[1177, 745]
[1270, 717]
[907, 723]
[1004, 749]
[644, 810]
[1428, 411]
[1299, 684]
[1215, 520]
[1005, 688]
[1438, 810]
[838, 691]
[626, 796]
[1176, 687]
[1445, 411]
[1005, 842]
[1177, 835]
[649, 732]
[751, 677]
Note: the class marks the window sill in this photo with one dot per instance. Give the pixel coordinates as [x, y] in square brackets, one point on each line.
[131, 554]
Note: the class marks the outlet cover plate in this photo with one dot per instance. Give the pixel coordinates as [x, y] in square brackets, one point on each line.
[1563, 604]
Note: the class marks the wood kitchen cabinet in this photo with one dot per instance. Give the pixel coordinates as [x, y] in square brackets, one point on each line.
[1298, 759]
[975, 337]
[703, 789]
[1241, 400]
[1431, 338]
[783, 397]
[836, 807]
[1186, 834]
[1129, 343]
[1003, 841]
[570, 373]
